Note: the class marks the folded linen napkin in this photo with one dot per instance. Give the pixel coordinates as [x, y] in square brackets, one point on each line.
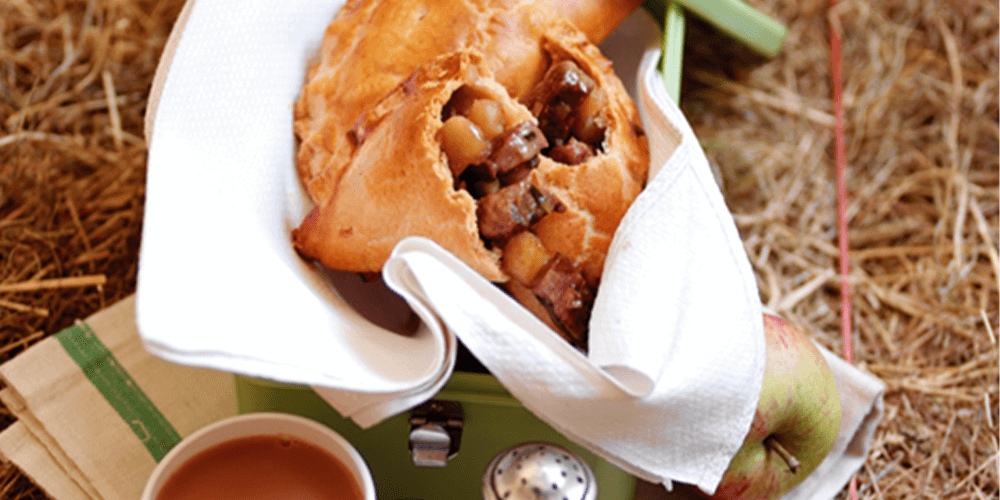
[96, 412]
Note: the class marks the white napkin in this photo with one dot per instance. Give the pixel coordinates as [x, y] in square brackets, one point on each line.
[219, 284]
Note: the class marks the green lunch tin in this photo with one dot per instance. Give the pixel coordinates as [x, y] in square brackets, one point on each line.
[492, 421]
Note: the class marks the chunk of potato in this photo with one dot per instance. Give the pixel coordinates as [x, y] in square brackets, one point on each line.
[524, 257]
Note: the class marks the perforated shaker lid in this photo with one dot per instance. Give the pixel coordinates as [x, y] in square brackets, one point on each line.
[538, 471]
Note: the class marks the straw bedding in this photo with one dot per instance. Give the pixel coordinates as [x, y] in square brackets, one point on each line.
[921, 115]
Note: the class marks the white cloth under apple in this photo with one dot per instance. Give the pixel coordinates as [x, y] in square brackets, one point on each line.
[673, 374]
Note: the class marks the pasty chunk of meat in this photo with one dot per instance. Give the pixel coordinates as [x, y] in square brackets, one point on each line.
[565, 294]
[573, 152]
[516, 146]
[514, 208]
[569, 105]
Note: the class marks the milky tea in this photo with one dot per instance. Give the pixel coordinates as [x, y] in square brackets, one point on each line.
[262, 467]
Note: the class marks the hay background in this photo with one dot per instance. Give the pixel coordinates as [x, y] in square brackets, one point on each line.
[921, 108]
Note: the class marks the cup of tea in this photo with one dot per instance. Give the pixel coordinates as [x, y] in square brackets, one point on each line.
[262, 456]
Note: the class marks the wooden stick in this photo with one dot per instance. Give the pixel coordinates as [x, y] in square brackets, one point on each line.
[989, 328]
[75, 215]
[113, 114]
[22, 342]
[987, 409]
[934, 391]
[76, 281]
[32, 136]
[807, 289]
[91, 256]
[17, 306]
[787, 105]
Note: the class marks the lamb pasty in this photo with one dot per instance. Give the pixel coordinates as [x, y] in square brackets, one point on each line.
[526, 189]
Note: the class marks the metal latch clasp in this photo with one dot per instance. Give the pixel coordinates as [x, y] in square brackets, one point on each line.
[435, 432]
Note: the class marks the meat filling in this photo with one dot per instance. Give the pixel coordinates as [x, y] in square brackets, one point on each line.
[512, 209]
[492, 162]
[573, 152]
[569, 107]
[516, 146]
[562, 290]
[563, 82]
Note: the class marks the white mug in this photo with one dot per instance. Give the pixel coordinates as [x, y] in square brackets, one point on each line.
[262, 424]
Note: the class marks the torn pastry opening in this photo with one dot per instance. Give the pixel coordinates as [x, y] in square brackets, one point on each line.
[491, 156]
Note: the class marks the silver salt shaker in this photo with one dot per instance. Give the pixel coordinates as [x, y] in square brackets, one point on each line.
[538, 471]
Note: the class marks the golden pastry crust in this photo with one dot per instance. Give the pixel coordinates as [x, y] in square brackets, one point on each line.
[368, 49]
[398, 183]
[373, 45]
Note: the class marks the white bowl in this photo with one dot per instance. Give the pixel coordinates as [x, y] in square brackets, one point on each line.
[262, 424]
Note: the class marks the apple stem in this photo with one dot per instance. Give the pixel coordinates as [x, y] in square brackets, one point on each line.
[793, 463]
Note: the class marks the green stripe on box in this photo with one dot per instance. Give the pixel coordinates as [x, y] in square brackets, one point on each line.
[119, 389]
